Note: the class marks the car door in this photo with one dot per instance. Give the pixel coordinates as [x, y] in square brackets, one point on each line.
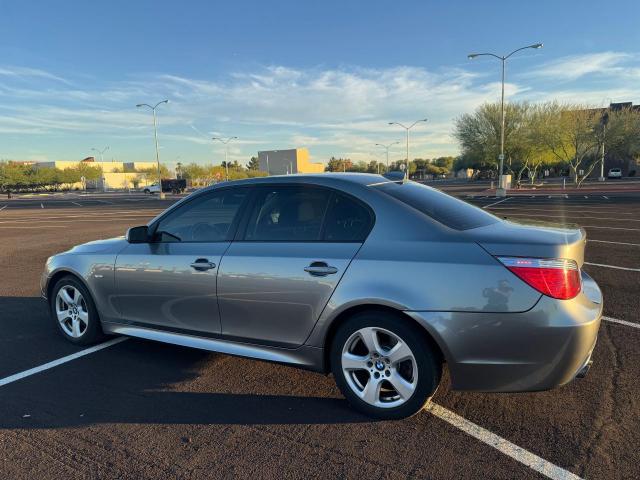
[170, 282]
[293, 248]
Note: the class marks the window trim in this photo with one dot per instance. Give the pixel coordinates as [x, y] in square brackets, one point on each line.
[248, 210]
[153, 227]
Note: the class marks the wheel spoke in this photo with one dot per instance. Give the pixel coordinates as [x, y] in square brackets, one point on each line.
[399, 352]
[369, 337]
[62, 315]
[371, 392]
[84, 316]
[404, 388]
[75, 327]
[65, 296]
[353, 362]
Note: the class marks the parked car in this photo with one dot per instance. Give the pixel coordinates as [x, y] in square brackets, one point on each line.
[614, 173]
[173, 185]
[374, 280]
[150, 189]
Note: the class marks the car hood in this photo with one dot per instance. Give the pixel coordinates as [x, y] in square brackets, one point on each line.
[108, 245]
[532, 239]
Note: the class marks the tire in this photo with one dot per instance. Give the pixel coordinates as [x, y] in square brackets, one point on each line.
[85, 314]
[348, 349]
[146, 191]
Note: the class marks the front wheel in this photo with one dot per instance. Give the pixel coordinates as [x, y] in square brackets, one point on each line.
[384, 365]
[74, 312]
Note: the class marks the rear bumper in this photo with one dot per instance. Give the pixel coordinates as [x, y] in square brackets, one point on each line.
[540, 349]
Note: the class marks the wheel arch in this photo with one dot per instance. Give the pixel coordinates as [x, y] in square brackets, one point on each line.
[65, 272]
[430, 337]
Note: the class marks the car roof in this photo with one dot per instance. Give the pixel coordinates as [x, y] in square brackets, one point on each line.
[363, 179]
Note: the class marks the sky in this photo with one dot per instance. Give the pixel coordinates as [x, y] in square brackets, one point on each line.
[326, 75]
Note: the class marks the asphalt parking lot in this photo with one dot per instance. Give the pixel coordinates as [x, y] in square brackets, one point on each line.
[137, 409]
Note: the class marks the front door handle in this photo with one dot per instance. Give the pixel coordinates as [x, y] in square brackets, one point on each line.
[202, 265]
[320, 269]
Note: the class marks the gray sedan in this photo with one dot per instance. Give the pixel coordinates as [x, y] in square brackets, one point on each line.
[379, 282]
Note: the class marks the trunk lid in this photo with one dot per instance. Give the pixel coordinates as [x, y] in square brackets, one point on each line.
[532, 239]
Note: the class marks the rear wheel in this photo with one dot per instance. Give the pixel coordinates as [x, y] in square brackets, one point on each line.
[384, 366]
[74, 312]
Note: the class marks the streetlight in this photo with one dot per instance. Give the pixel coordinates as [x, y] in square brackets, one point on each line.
[155, 133]
[386, 147]
[407, 129]
[501, 191]
[225, 141]
[101, 152]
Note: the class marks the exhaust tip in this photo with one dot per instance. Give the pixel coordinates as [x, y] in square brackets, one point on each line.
[584, 370]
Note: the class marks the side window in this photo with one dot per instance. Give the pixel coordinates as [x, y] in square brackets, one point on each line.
[347, 220]
[288, 214]
[204, 219]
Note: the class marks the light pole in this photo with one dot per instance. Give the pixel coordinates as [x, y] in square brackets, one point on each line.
[225, 141]
[155, 133]
[406, 176]
[101, 152]
[387, 147]
[605, 120]
[501, 191]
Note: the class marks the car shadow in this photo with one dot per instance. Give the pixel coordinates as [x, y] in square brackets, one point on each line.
[144, 382]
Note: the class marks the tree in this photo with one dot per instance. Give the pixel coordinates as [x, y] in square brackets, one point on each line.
[569, 131]
[444, 162]
[254, 164]
[339, 165]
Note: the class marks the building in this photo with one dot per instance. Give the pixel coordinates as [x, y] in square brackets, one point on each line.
[115, 175]
[283, 162]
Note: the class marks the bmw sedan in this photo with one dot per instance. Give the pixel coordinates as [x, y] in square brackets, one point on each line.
[377, 281]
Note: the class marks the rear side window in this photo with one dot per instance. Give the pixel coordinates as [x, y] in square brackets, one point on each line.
[443, 208]
[347, 220]
[288, 214]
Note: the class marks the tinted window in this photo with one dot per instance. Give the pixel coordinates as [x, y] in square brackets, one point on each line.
[288, 214]
[441, 207]
[207, 218]
[347, 220]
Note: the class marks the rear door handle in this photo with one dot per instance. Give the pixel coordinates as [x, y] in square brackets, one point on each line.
[202, 265]
[320, 269]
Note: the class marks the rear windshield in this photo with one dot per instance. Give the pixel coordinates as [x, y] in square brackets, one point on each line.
[441, 207]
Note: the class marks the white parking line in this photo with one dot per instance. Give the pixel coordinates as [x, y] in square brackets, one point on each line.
[612, 228]
[621, 322]
[504, 446]
[3, 208]
[76, 203]
[612, 266]
[496, 203]
[60, 361]
[41, 206]
[568, 215]
[615, 243]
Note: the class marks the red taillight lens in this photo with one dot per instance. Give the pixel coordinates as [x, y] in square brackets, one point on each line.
[557, 278]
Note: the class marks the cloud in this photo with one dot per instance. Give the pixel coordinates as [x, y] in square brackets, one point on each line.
[577, 66]
[333, 111]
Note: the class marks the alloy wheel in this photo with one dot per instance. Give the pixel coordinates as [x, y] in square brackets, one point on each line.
[72, 311]
[379, 367]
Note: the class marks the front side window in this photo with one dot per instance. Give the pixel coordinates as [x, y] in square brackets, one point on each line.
[288, 214]
[207, 218]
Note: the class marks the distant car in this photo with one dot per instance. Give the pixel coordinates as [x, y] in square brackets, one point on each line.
[615, 173]
[378, 281]
[153, 188]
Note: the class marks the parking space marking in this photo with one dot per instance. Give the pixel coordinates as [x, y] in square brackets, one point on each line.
[496, 203]
[611, 228]
[615, 243]
[612, 266]
[569, 215]
[553, 209]
[5, 206]
[60, 361]
[621, 322]
[41, 205]
[504, 446]
[76, 203]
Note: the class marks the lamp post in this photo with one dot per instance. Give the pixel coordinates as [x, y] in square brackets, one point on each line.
[225, 141]
[101, 152]
[501, 191]
[387, 147]
[155, 134]
[406, 176]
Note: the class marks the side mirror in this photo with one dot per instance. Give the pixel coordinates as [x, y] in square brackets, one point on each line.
[138, 234]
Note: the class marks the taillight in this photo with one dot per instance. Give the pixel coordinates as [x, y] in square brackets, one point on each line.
[557, 278]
